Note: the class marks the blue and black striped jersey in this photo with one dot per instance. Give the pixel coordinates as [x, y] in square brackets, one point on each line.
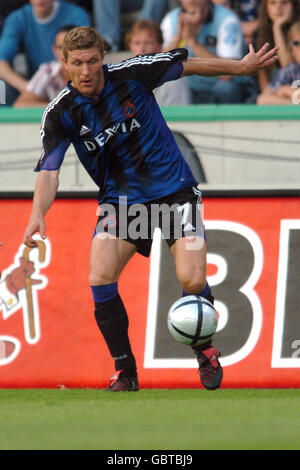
[121, 138]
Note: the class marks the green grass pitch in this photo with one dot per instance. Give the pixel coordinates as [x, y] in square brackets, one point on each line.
[91, 419]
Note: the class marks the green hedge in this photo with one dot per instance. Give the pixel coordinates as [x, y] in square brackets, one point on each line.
[239, 112]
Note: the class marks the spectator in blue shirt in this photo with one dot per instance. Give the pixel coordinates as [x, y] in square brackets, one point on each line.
[7, 7]
[32, 29]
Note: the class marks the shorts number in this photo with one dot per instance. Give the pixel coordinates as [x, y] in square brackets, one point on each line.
[185, 210]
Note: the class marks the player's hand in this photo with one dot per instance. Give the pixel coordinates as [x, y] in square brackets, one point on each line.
[36, 225]
[253, 62]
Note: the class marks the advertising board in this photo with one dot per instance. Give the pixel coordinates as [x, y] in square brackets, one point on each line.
[48, 334]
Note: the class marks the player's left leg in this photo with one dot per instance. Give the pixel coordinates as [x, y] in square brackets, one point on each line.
[108, 258]
[190, 263]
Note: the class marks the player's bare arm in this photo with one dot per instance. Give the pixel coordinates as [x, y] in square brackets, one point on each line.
[251, 64]
[44, 195]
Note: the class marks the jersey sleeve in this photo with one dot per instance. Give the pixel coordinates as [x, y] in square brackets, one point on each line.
[152, 69]
[55, 142]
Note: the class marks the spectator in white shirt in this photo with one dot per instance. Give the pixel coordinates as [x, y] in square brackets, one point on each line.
[209, 30]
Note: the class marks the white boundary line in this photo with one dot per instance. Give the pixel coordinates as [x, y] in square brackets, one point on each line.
[247, 289]
[278, 361]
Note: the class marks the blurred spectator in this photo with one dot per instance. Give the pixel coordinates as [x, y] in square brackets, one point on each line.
[209, 30]
[247, 11]
[275, 18]
[6, 7]
[280, 90]
[108, 16]
[156, 10]
[49, 79]
[248, 14]
[86, 4]
[145, 37]
[31, 29]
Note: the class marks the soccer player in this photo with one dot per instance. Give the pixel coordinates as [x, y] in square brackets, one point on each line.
[109, 114]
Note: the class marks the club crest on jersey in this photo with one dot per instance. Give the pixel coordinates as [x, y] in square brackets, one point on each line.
[103, 137]
[129, 109]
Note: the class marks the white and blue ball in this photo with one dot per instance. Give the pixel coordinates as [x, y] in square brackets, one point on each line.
[192, 320]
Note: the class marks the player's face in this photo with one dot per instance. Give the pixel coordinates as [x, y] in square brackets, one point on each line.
[144, 42]
[85, 71]
[279, 8]
[42, 8]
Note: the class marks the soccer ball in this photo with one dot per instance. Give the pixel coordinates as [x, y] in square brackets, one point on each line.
[192, 320]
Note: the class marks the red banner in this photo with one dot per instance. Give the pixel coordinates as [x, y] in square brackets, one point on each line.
[48, 334]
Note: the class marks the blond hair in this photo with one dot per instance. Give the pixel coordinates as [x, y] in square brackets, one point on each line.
[144, 25]
[82, 37]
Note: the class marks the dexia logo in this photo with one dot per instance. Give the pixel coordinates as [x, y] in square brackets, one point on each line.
[120, 128]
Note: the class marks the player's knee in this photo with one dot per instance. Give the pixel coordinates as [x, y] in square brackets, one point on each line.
[194, 287]
[192, 282]
[101, 278]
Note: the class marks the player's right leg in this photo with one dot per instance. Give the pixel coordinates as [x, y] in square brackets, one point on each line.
[190, 267]
[109, 255]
